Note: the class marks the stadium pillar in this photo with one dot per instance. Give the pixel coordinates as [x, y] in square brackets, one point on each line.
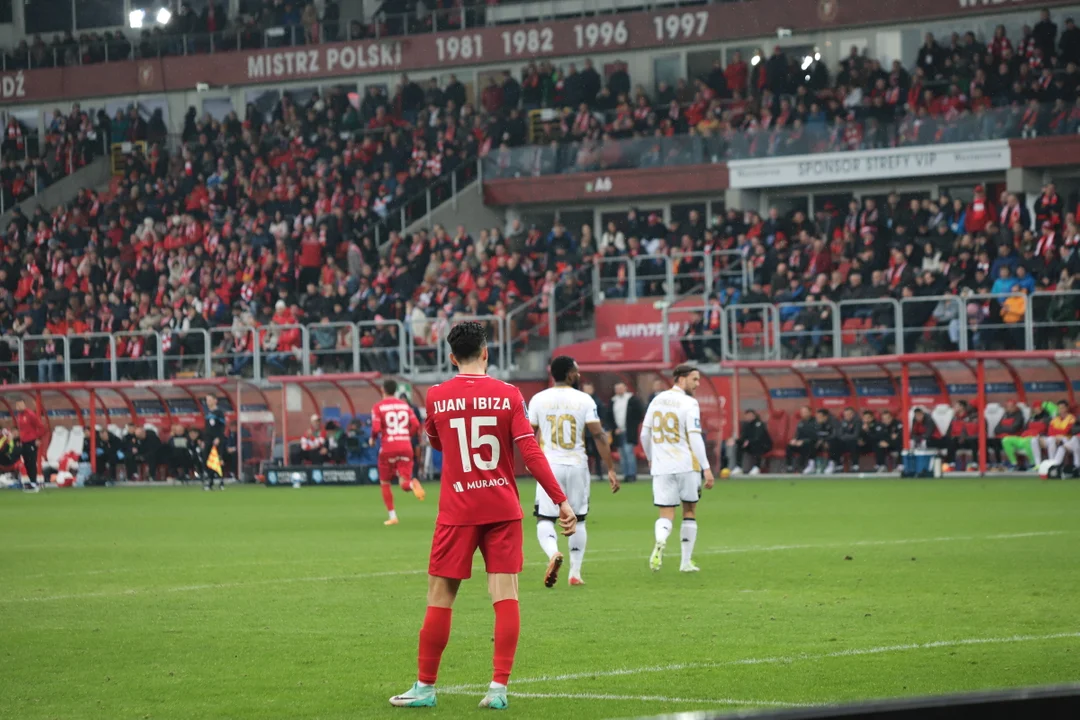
[905, 403]
[980, 380]
[284, 424]
[746, 199]
[93, 431]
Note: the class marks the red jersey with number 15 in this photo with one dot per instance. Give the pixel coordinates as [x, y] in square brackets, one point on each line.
[475, 421]
[394, 420]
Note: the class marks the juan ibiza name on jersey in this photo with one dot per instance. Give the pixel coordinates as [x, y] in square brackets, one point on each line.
[478, 403]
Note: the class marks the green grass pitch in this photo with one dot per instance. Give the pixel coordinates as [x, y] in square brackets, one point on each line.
[299, 604]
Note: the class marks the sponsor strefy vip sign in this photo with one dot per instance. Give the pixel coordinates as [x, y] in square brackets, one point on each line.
[871, 165]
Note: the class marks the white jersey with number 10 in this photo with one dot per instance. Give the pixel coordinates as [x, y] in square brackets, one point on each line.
[671, 418]
[561, 413]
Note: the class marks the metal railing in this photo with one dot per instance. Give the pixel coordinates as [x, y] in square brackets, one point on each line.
[663, 276]
[932, 323]
[383, 346]
[813, 331]
[39, 169]
[281, 354]
[608, 282]
[335, 347]
[714, 332]
[988, 324]
[1056, 319]
[749, 327]
[46, 354]
[419, 207]
[235, 350]
[92, 356]
[521, 333]
[873, 324]
[139, 356]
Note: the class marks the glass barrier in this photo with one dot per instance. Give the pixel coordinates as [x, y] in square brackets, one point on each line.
[866, 132]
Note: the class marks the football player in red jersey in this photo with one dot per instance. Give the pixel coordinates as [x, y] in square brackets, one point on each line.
[394, 420]
[476, 420]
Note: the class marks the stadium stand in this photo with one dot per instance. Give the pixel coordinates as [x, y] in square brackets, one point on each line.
[287, 235]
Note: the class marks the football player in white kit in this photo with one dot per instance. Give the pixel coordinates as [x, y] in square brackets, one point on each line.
[671, 438]
[561, 414]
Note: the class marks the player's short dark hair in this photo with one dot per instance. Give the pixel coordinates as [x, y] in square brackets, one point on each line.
[466, 340]
[389, 386]
[683, 370]
[561, 367]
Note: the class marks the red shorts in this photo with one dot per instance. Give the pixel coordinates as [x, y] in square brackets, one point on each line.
[453, 547]
[396, 465]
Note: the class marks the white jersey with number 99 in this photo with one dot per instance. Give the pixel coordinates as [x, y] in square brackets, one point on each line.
[671, 418]
[561, 413]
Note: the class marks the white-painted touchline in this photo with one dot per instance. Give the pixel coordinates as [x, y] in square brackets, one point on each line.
[601, 551]
[780, 660]
[637, 698]
[392, 573]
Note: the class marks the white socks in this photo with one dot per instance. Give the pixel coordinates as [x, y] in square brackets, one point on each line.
[1036, 452]
[549, 540]
[688, 534]
[393, 515]
[577, 550]
[663, 529]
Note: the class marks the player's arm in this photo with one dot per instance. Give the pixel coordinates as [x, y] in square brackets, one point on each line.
[524, 435]
[592, 422]
[430, 429]
[697, 443]
[376, 426]
[645, 435]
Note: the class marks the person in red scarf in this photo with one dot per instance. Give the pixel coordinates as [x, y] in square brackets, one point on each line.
[1048, 242]
[1013, 213]
[1049, 207]
[980, 212]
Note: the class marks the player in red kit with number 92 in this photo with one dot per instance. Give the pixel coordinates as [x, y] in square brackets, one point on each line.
[393, 420]
[475, 420]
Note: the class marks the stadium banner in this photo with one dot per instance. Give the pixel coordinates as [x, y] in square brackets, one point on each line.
[637, 321]
[606, 185]
[498, 44]
[601, 352]
[871, 165]
[288, 475]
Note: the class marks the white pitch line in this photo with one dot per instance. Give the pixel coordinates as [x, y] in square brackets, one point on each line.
[390, 573]
[782, 660]
[609, 551]
[211, 586]
[874, 543]
[638, 698]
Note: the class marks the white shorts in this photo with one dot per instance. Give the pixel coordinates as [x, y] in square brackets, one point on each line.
[671, 490]
[574, 482]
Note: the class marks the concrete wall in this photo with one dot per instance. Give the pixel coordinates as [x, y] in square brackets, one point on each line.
[94, 175]
[466, 209]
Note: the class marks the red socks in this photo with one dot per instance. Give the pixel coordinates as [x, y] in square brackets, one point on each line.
[507, 629]
[388, 496]
[434, 635]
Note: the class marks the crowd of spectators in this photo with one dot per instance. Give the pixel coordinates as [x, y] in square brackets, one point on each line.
[260, 222]
[963, 89]
[986, 258]
[259, 24]
[29, 164]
